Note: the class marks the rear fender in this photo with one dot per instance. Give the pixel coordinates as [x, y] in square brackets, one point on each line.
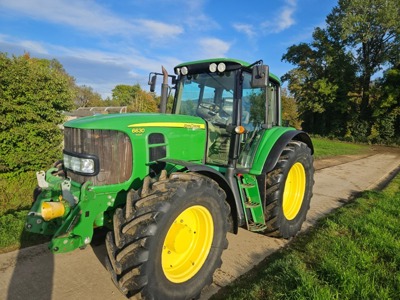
[281, 143]
[267, 156]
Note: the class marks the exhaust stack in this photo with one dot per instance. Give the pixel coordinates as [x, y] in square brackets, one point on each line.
[164, 91]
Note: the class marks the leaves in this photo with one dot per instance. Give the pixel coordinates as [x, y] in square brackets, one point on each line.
[33, 94]
[134, 97]
[332, 79]
[290, 113]
[86, 97]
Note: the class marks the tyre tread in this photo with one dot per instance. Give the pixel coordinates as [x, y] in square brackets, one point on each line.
[134, 226]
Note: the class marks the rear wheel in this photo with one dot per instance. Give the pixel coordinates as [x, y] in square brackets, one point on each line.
[167, 242]
[289, 190]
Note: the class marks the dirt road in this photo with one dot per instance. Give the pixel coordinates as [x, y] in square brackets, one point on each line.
[34, 273]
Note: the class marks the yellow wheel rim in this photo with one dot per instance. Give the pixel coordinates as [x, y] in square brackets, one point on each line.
[293, 194]
[187, 244]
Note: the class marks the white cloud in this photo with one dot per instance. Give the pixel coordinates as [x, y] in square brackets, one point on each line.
[129, 58]
[102, 70]
[201, 22]
[284, 19]
[158, 29]
[32, 46]
[213, 47]
[88, 16]
[85, 15]
[8, 42]
[191, 13]
[247, 29]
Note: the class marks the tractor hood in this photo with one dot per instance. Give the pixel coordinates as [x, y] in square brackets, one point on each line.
[125, 122]
[153, 137]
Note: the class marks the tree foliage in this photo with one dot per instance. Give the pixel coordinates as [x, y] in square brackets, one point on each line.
[386, 108]
[86, 97]
[33, 94]
[134, 97]
[333, 82]
[290, 114]
[371, 29]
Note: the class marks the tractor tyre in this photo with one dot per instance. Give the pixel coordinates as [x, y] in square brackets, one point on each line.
[289, 191]
[168, 239]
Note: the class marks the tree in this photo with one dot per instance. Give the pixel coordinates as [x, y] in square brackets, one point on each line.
[86, 97]
[386, 108]
[290, 114]
[124, 95]
[371, 29]
[331, 81]
[143, 102]
[170, 102]
[311, 83]
[33, 94]
[134, 97]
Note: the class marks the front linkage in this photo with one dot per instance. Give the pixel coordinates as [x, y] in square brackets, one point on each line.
[67, 210]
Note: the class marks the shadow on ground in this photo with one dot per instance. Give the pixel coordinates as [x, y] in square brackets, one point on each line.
[29, 271]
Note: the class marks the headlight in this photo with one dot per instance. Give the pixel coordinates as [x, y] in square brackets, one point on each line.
[81, 163]
[184, 71]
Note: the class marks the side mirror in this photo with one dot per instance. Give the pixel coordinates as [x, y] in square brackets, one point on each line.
[152, 83]
[259, 78]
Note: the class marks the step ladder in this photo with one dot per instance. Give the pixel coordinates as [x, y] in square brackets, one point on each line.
[252, 203]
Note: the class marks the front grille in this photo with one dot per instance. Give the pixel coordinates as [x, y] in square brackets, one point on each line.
[113, 148]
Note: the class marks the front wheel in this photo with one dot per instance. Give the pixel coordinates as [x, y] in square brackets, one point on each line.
[168, 241]
[289, 190]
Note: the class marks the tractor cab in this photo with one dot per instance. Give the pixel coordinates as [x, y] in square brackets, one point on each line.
[237, 100]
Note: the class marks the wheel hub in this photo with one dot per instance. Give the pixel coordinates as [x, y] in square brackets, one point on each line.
[180, 237]
[293, 194]
[187, 244]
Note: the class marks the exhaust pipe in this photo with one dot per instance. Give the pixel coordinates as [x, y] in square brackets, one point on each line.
[164, 91]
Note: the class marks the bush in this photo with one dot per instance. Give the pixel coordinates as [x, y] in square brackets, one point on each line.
[16, 190]
[33, 94]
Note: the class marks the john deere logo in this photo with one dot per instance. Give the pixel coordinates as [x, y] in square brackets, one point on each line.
[138, 130]
[192, 125]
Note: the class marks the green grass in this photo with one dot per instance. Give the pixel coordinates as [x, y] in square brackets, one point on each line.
[326, 147]
[16, 191]
[353, 253]
[12, 234]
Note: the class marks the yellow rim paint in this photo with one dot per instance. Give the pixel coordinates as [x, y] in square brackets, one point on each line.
[187, 244]
[170, 124]
[293, 194]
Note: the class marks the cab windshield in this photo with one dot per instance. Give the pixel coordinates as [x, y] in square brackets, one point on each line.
[211, 97]
[206, 95]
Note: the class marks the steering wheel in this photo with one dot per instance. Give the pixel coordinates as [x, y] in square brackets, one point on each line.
[211, 107]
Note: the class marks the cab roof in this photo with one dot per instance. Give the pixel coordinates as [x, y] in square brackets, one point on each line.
[230, 61]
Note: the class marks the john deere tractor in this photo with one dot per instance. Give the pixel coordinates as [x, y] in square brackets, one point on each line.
[170, 186]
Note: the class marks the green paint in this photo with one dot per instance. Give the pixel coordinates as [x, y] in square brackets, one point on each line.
[267, 140]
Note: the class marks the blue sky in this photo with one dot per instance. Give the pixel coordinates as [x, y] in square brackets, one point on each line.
[105, 43]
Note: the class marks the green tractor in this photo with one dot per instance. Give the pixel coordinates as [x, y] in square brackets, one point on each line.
[170, 186]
